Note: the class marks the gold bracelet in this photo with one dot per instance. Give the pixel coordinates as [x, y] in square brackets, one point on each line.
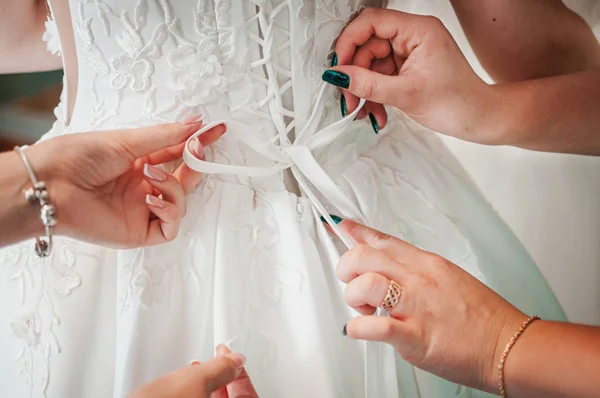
[510, 344]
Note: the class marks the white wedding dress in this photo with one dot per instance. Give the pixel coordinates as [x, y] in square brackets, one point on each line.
[253, 266]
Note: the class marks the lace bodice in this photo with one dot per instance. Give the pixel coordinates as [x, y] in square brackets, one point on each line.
[142, 61]
[257, 62]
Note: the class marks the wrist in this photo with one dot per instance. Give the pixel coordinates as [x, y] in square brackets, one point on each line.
[486, 115]
[508, 326]
[20, 218]
[509, 118]
[42, 157]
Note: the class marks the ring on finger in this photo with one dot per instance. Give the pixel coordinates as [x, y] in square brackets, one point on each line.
[392, 296]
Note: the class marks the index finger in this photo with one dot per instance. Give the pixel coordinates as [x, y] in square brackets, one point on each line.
[189, 178]
[242, 386]
[398, 27]
[146, 140]
[176, 152]
[393, 247]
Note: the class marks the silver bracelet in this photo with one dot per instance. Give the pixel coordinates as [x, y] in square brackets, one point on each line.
[39, 193]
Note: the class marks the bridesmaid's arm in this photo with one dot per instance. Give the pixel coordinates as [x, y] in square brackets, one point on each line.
[553, 359]
[556, 114]
[21, 29]
[519, 40]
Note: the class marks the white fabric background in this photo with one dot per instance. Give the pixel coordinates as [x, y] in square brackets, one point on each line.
[551, 201]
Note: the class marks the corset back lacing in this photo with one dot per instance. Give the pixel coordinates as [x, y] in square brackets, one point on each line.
[295, 155]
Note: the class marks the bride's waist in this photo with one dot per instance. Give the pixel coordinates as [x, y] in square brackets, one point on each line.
[104, 108]
[94, 112]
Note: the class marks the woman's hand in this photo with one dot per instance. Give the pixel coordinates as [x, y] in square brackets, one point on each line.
[412, 63]
[446, 321]
[107, 188]
[221, 377]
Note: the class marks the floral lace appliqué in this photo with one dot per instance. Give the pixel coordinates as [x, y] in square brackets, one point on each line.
[51, 37]
[197, 78]
[135, 73]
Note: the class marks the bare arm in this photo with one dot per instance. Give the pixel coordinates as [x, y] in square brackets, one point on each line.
[21, 44]
[554, 359]
[555, 114]
[519, 40]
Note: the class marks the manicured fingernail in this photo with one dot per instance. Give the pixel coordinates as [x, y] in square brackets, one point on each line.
[197, 148]
[344, 331]
[194, 362]
[155, 201]
[191, 119]
[238, 359]
[154, 173]
[336, 219]
[343, 105]
[336, 78]
[334, 60]
[374, 123]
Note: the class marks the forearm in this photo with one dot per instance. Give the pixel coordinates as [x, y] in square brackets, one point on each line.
[554, 359]
[557, 114]
[518, 40]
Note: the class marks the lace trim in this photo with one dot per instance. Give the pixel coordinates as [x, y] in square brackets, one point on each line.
[51, 36]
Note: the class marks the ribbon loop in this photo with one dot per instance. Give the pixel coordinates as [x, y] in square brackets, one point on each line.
[297, 156]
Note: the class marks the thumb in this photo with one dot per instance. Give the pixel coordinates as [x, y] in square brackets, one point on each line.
[220, 371]
[363, 234]
[364, 83]
[146, 140]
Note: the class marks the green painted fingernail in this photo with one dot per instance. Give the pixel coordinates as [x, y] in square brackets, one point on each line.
[374, 123]
[336, 78]
[343, 105]
[336, 219]
[334, 60]
[344, 331]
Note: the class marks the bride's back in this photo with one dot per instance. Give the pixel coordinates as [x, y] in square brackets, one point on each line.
[136, 62]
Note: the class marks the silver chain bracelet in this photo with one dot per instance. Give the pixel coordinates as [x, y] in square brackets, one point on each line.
[39, 193]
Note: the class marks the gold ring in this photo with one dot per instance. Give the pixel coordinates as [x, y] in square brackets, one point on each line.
[392, 296]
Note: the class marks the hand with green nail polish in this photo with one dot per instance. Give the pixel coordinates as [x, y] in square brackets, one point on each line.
[422, 72]
[411, 62]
